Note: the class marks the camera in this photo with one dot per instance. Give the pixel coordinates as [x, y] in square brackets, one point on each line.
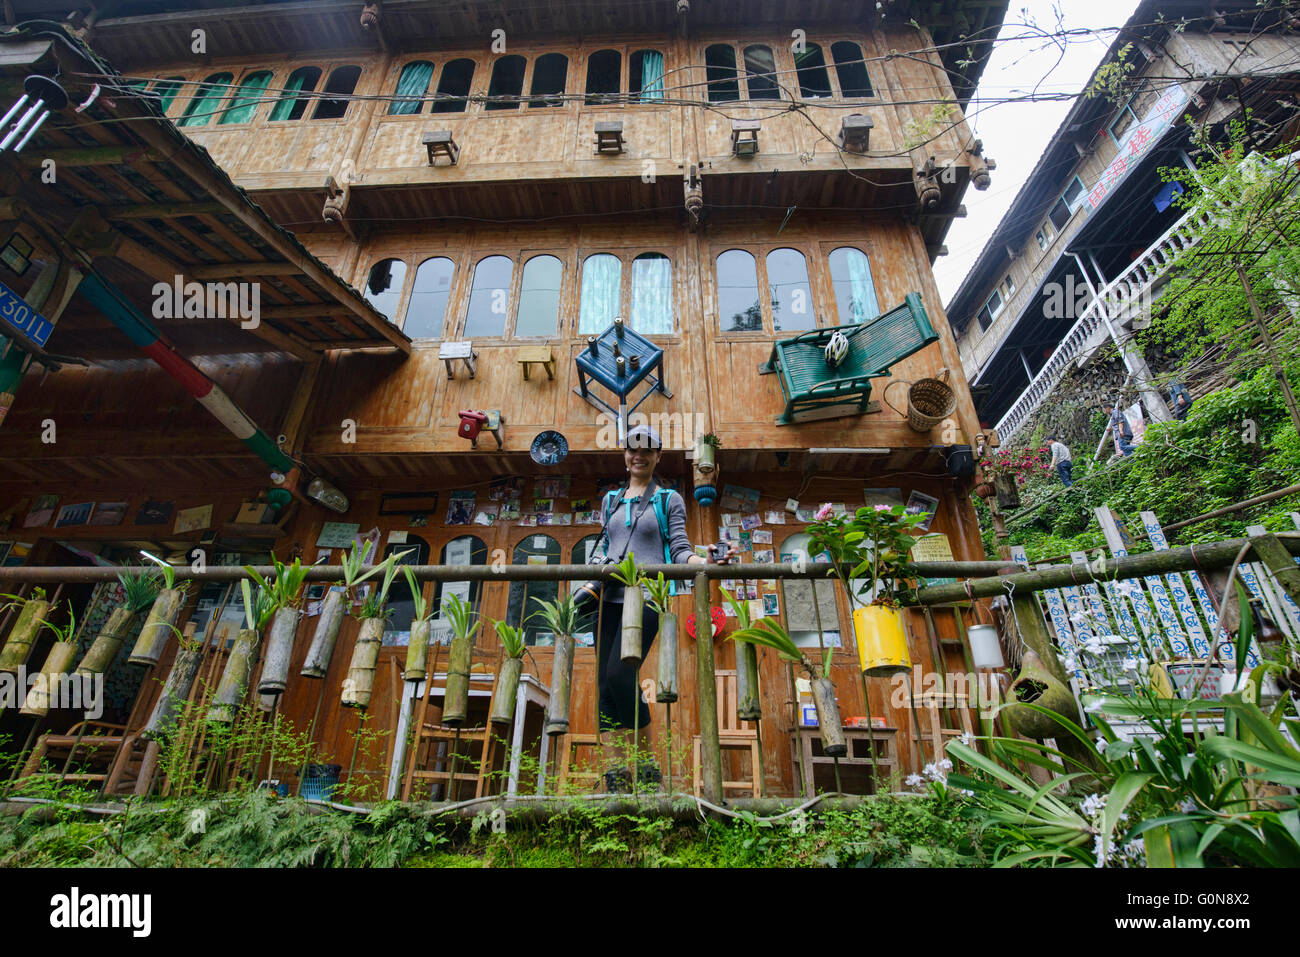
[718, 553]
[587, 596]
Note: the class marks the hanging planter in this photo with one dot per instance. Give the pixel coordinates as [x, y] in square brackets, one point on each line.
[507, 691]
[139, 592]
[633, 606]
[58, 662]
[235, 677]
[561, 616]
[360, 680]
[176, 689]
[748, 705]
[326, 636]
[455, 707]
[23, 634]
[158, 626]
[828, 718]
[706, 452]
[284, 588]
[1037, 686]
[417, 648]
[706, 495]
[985, 649]
[1008, 492]
[881, 640]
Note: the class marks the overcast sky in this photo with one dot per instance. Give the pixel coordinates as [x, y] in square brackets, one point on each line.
[1015, 134]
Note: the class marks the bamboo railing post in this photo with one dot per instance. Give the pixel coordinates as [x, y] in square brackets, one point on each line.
[821, 646]
[706, 688]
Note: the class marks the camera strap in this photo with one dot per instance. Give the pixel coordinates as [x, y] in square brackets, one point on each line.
[646, 499]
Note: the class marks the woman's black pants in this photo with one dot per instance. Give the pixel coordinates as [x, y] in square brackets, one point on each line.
[616, 679]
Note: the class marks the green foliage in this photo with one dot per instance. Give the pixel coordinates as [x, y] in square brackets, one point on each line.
[560, 616]
[139, 589]
[417, 596]
[512, 639]
[627, 572]
[259, 606]
[771, 634]
[373, 607]
[168, 572]
[660, 590]
[284, 586]
[874, 543]
[459, 612]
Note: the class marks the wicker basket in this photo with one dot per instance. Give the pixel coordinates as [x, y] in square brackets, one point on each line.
[929, 401]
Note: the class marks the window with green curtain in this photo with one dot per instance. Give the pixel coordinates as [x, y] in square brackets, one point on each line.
[652, 294]
[166, 91]
[646, 78]
[248, 95]
[412, 85]
[602, 276]
[207, 99]
[855, 291]
[293, 99]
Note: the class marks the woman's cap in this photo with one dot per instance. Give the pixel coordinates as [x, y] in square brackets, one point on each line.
[643, 437]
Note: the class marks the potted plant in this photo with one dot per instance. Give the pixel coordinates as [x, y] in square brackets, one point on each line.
[660, 600]
[455, 702]
[23, 634]
[633, 605]
[285, 588]
[770, 633]
[561, 616]
[258, 609]
[748, 705]
[176, 689]
[360, 682]
[874, 546]
[1009, 469]
[706, 451]
[57, 662]
[417, 650]
[1036, 685]
[162, 617]
[334, 610]
[503, 703]
[138, 592]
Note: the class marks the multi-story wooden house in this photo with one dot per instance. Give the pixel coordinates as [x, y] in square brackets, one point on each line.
[429, 207]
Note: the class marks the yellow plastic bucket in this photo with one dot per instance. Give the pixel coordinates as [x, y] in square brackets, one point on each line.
[882, 643]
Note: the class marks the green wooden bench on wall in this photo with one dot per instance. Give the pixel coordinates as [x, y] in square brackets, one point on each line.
[813, 390]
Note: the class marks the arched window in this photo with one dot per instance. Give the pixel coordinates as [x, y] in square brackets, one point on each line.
[789, 290]
[453, 87]
[652, 294]
[814, 82]
[583, 553]
[338, 88]
[248, 95]
[760, 73]
[720, 70]
[384, 286]
[293, 100]
[427, 309]
[850, 69]
[855, 291]
[466, 550]
[800, 613]
[603, 76]
[539, 297]
[401, 603]
[738, 301]
[166, 91]
[520, 605]
[412, 86]
[507, 83]
[207, 99]
[602, 277]
[489, 298]
[645, 75]
[550, 78]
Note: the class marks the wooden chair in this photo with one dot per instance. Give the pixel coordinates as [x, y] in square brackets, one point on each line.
[431, 753]
[569, 777]
[733, 735]
[94, 741]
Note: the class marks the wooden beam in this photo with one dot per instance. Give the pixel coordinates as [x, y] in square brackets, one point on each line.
[297, 412]
[161, 210]
[88, 156]
[306, 312]
[243, 270]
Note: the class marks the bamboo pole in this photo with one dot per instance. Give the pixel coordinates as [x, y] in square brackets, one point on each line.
[707, 690]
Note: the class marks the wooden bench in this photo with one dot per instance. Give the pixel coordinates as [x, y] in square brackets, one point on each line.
[527, 355]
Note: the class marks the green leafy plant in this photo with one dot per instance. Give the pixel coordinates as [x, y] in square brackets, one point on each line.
[512, 639]
[460, 614]
[660, 590]
[560, 616]
[710, 439]
[873, 544]
[139, 589]
[168, 572]
[354, 561]
[771, 634]
[285, 584]
[373, 606]
[259, 606]
[421, 604]
[627, 573]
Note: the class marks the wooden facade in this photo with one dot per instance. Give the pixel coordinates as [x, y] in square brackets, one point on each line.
[378, 419]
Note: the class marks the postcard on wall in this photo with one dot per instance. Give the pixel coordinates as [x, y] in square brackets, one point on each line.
[756, 610]
[155, 513]
[739, 498]
[583, 518]
[543, 505]
[509, 511]
[804, 514]
[562, 518]
[337, 534]
[883, 496]
[108, 513]
[460, 507]
[762, 556]
[933, 547]
[751, 521]
[580, 504]
[418, 521]
[486, 516]
[193, 519]
[360, 539]
[774, 518]
[746, 542]
[726, 534]
[529, 519]
[505, 487]
[545, 518]
[762, 536]
[556, 486]
[18, 552]
[771, 604]
[70, 515]
[323, 556]
[918, 503]
[42, 511]
[396, 537]
[731, 518]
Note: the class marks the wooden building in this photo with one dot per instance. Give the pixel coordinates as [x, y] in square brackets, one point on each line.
[395, 177]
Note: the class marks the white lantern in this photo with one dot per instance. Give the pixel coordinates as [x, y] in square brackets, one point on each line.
[984, 646]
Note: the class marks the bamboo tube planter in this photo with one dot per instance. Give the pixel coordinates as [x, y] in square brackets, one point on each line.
[157, 627]
[1036, 685]
[455, 708]
[360, 682]
[503, 702]
[23, 634]
[279, 651]
[557, 711]
[57, 662]
[417, 652]
[176, 689]
[666, 686]
[326, 635]
[103, 650]
[633, 602]
[748, 704]
[828, 718]
[235, 677]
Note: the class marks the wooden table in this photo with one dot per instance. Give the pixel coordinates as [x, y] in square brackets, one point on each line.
[531, 692]
[806, 750]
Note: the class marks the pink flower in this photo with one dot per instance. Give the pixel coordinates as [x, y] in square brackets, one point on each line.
[882, 508]
[823, 513]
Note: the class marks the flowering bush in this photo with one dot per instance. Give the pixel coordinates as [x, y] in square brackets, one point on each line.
[874, 544]
[1023, 463]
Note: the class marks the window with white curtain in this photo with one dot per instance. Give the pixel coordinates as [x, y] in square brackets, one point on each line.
[602, 276]
[652, 294]
[855, 291]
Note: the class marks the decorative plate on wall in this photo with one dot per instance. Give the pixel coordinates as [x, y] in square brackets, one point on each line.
[549, 448]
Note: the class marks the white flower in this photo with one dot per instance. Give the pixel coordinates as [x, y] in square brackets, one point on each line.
[1187, 805]
[914, 781]
[1092, 805]
[945, 765]
[967, 738]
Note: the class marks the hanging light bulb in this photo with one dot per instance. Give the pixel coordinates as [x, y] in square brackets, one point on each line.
[323, 493]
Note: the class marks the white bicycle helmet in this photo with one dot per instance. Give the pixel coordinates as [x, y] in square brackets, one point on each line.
[837, 347]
